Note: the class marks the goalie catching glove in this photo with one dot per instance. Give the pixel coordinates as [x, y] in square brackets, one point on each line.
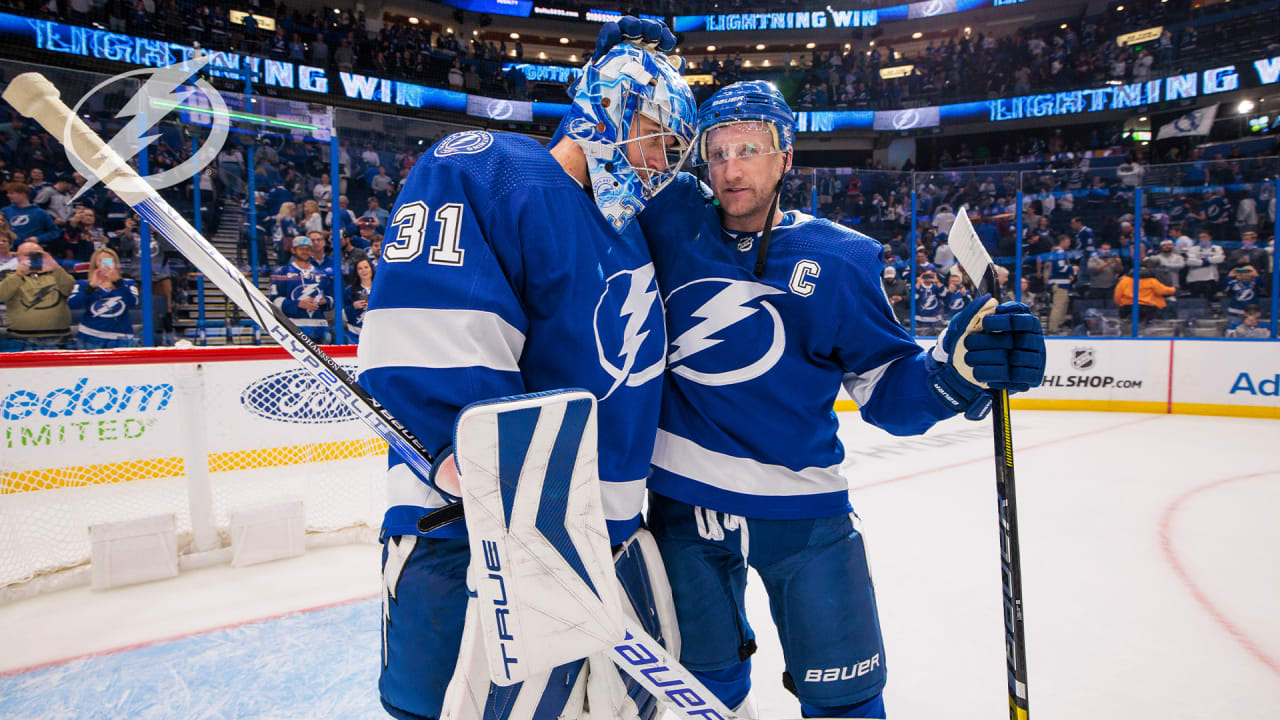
[987, 346]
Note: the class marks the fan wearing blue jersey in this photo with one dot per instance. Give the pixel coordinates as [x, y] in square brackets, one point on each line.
[508, 269]
[106, 299]
[768, 314]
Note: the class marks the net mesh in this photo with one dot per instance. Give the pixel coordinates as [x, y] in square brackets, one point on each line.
[78, 450]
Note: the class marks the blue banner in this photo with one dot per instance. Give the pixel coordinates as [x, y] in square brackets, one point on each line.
[517, 8]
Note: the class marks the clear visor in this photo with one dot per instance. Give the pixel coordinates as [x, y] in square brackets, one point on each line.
[747, 141]
[660, 148]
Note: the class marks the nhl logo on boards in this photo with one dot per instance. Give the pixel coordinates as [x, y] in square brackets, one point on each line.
[1082, 358]
[464, 143]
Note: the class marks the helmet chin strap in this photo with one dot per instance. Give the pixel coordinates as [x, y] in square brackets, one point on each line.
[763, 249]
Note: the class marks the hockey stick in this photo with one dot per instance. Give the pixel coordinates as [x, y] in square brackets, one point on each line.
[35, 97]
[975, 261]
[638, 654]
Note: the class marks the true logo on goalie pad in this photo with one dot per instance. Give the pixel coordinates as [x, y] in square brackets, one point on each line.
[540, 555]
[501, 613]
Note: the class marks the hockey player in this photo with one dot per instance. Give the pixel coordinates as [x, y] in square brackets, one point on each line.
[303, 291]
[507, 269]
[768, 313]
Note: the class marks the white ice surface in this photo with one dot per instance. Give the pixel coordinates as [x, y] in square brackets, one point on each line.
[1150, 580]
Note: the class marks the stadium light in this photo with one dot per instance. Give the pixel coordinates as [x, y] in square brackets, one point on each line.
[917, 35]
[1119, 8]
[413, 21]
[573, 58]
[760, 46]
[448, 31]
[711, 48]
[515, 36]
[1142, 119]
[968, 30]
[1063, 26]
[564, 41]
[542, 56]
[1245, 106]
[811, 45]
[765, 63]
[873, 43]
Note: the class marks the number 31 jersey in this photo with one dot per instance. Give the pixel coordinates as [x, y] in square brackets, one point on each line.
[499, 276]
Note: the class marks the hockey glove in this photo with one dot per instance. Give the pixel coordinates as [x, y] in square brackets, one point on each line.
[986, 347]
[649, 34]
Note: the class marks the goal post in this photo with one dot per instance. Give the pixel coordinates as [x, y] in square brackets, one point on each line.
[113, 435]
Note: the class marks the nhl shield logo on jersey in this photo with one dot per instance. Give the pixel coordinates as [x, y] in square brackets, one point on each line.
[464, 143]
[1082, 358]
[724, 331]
[630, 335]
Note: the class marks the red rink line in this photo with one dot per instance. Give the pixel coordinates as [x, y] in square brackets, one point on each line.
[1166, 544]
[1016, 449]
[182, 636]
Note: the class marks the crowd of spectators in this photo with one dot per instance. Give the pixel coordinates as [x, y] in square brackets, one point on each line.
[1204, 263]
[1081, 52]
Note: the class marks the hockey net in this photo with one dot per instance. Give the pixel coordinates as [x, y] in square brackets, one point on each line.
[93, 437]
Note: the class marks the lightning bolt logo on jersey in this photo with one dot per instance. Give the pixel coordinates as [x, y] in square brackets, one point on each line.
[727, 331]
[630, 295]
[754, 363]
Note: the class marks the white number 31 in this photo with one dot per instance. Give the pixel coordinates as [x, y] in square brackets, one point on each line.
[410, 223]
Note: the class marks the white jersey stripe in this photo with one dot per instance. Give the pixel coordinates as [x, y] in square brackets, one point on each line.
[741, 475]
[622, 500]
[861, 386]
[435, 338]
[405, 488]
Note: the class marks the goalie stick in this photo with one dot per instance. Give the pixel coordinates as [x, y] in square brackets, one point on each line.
[31, 94]
[975, 261]
[35, 97]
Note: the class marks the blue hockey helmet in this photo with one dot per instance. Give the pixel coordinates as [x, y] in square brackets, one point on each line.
[626, 83]
[746, 102]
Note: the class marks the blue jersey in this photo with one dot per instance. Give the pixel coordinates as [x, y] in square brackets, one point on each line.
[1240, 295]
[290, 284]
[1085, 239]
[106, 312]
[754, 364]
[352, 316]
[500, 276]
[929, 303]
[1062, 270]
[956, 300]
[1218, 209]
[31, 221]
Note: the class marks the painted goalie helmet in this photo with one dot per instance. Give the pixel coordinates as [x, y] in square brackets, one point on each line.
[751, 102]
[609, 100]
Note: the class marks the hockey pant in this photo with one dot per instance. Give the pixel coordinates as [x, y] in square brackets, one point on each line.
[820, 594]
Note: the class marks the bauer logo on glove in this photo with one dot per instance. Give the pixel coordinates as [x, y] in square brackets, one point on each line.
[987, 346]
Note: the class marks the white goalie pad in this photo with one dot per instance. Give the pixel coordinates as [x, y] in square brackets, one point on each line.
[540, 560]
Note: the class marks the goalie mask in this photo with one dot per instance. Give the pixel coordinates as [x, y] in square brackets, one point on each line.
[630, 89]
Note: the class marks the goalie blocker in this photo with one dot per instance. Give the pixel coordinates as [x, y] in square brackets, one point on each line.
[536, 581]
